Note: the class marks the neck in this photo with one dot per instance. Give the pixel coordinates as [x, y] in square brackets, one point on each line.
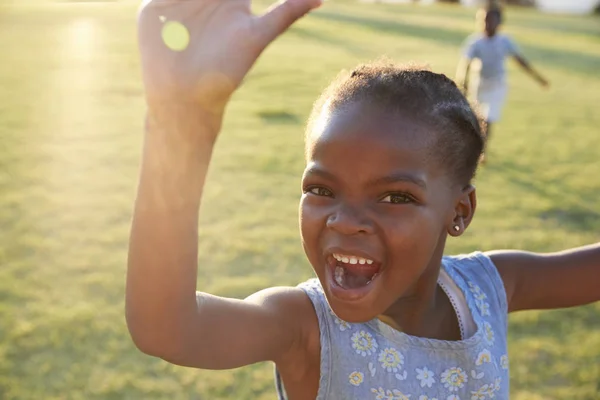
[426, 311]
[418, 313]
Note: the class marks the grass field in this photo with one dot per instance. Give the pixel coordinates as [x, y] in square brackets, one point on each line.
[71, 112]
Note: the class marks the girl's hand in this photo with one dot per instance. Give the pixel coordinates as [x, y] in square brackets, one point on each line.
[187, 89]
[225, 40]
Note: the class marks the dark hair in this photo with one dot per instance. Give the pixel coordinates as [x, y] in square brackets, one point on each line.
[420, 95]
[494, 9]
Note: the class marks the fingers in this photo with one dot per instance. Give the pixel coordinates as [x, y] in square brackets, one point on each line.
[281, 16]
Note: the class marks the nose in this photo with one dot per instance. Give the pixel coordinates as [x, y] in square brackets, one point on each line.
[349, 220]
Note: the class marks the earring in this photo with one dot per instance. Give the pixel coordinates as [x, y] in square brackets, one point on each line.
[456, 228]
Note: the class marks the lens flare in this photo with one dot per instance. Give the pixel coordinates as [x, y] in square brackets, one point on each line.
[175, 35]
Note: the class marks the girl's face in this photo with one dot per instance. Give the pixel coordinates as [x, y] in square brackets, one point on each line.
[492, 21]
[375, 212]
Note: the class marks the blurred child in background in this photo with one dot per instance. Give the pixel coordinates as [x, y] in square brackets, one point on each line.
[491, 48]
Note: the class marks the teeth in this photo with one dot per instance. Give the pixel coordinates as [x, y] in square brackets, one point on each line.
[352, 259]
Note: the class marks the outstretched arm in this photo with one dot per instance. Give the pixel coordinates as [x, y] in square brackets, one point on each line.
[186, 93]
[462, 74]
[546, 281]
[530, 70]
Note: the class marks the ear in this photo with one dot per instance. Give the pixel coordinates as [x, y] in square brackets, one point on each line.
[463, 211]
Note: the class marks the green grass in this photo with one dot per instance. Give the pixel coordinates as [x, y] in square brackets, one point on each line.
[71, 115]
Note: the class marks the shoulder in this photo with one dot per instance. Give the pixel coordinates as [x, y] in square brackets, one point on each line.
[293, 307]
[476, 259]
[480, 271]
[471, 45]
[473, 39]
[287, 303]
[507, 39]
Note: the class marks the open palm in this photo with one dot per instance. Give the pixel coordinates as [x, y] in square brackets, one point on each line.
[225, 39]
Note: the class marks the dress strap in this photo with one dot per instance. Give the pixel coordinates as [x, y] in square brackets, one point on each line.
[279, 386]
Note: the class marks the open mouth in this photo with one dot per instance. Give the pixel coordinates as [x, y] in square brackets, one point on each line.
[353, 272]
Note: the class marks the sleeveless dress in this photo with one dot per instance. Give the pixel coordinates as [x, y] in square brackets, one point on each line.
[374, 361]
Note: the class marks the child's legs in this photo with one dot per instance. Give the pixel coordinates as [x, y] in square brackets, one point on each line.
[491, 96]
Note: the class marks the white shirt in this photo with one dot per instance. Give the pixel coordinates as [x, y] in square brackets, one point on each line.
[491, 51]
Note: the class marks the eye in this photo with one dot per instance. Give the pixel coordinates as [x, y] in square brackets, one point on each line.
[319, 191]
[398, 198]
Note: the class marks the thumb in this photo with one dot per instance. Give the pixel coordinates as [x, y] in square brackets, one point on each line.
[279, 17]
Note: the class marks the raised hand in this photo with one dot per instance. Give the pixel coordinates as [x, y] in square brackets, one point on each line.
[187, 88]
[225, 39]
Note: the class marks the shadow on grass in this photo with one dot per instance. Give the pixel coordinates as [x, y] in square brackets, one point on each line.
[575, 25]
[517, 16]
[574, 213]
[574, 218]
[565, 59]
[278, 117]
[583, 63]
[327, 38]
[399, 27]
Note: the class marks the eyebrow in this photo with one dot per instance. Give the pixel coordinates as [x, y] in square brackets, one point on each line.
[389, 179]
[399, 177]
[320, 172]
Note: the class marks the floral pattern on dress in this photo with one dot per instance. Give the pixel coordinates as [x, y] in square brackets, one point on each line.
[423, 397]
[426, 376]
[356, 378]
[391, 360]
[477, 292]
[480, 297]
[364, 343]
[497, 384]
[477, 375]
[341, 324]
[481, 393]
[484, 308]
[454, 378]
[504, 361]
[394, 394]
[483, 357]
[489, 333]
[487, 391]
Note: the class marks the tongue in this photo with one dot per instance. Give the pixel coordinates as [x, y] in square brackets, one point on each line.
[354, 281]
[355, 275]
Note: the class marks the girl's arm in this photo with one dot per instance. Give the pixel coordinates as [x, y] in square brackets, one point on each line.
[462, 74]
[545, 281]
[186, 92]
[529, 69]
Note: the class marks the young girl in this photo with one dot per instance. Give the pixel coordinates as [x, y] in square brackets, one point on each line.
[491, 48]
[390, 155]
